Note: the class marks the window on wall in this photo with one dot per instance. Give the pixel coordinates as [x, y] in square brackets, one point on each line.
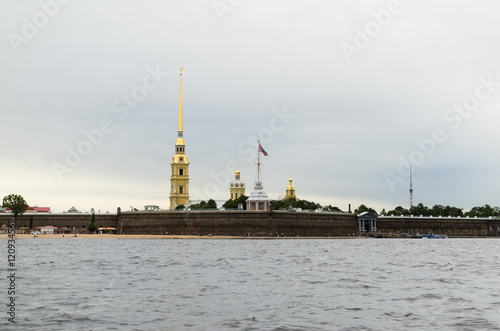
[181, 189]
[236, 195]
[181, 172]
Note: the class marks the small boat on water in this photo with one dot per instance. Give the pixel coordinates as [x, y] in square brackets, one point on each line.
[434, 236]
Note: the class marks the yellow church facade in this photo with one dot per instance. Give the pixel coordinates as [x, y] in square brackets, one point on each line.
[179, 180]
[236, 188]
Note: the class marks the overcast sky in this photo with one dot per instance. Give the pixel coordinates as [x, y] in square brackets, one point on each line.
[344, 95]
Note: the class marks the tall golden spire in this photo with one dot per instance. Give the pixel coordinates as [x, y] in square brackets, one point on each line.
[180, 134]
[180, 104]
[179, 180]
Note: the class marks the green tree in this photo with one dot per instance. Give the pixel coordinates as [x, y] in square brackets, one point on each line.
[445, 211]
[332, 208]
[16, 204]
[484, 211]
[307, 205]
[303, 204]
[420, 209]
[454, 211]
[211, 204]
[180, 207]
[92, 227]
[233, 204]
[439, 210]
[398, 211]
[282, 204]
[200, 205]
[362, 208]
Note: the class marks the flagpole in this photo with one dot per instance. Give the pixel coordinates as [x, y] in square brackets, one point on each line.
[258, 162]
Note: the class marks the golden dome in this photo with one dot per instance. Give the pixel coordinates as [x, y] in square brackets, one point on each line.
[290, 186]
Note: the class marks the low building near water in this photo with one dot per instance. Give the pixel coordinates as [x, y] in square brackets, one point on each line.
[49, 229]
[367, 222]
[151, 208]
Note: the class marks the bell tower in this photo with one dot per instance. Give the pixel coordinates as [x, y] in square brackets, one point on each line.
[237, 188]
[179, 180]
[290, 190]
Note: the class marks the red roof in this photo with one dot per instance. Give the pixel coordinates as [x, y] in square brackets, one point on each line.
[41, 209]
[38, 209]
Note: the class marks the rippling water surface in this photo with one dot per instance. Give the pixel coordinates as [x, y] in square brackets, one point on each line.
[281, 284]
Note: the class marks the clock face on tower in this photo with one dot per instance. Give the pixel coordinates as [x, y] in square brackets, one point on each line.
[181, 159]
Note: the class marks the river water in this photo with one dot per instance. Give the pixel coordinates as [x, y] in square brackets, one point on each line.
[280, 284]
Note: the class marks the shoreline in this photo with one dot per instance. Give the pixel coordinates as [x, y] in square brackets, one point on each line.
[152, 236]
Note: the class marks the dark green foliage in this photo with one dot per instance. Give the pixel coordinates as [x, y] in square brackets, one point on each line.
[233, 204]
[210, 204]
[398, 211]
[180, 207]
[92, 227]
[445, 211]
[484, 211]
[362, 208]
[332, 208]
[15, 203]
[200, 205]
[420, 209]
[303, 204]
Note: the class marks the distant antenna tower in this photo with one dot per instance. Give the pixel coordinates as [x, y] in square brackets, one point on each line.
[411, 190]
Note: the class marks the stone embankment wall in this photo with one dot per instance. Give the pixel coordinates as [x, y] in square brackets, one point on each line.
[451, 226]
[237, 223]
[240, 223]
[69, 220]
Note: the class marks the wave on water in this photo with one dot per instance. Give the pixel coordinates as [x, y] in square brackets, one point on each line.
[302, 284]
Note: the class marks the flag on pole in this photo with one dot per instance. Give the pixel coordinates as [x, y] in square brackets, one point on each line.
[262, 150]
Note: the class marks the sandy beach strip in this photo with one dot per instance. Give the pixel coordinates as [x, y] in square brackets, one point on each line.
[145, 236]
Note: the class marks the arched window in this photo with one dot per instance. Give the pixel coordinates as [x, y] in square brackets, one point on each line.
[181, 172]
[236, 195]
[181, 189]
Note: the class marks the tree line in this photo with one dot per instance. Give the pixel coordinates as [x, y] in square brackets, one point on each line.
[436, 210]
[18, 206]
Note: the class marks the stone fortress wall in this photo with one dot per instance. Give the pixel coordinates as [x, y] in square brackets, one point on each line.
[451, 226]
[257, 223]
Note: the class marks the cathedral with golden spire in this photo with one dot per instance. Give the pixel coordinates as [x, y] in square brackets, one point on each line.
[179, 180]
